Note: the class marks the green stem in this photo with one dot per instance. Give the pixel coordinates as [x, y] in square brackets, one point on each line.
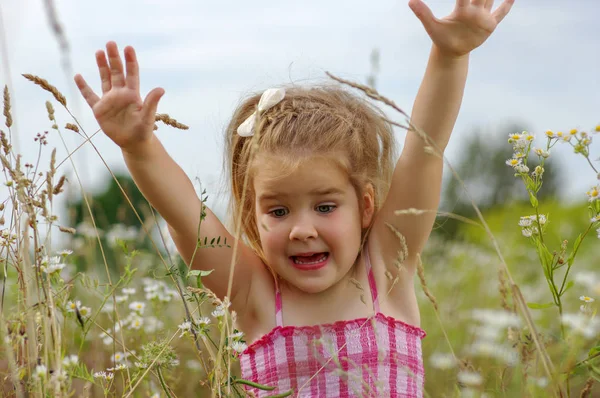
[574, 254]
[253, 384]
[162, 382]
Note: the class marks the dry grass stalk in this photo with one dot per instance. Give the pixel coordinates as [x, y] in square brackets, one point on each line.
[71, 126]
[67, 230]
[503, 289]
[587, 390]
[520, 300]
[7, 113]
[402, 255]
[58, 188]
[370, 92]
[50, 110]
[357, 284]
[6, 147]
[166, 119]
[43, 83]
[421, 273]
[418, 212]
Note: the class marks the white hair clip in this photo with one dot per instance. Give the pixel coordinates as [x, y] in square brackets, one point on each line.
[268, 99]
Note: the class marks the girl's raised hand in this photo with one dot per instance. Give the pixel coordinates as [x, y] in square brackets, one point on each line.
[121, 113]
[469, 25]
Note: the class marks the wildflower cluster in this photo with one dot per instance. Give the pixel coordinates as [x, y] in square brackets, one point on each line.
[532, 225]
[77, 308]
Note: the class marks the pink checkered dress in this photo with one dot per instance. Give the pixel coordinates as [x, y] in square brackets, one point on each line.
[377, 356]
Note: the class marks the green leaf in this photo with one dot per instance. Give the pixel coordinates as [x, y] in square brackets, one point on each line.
[545, 257]
[568, 286]
[536, 306]
[575, 248]
[594, 351]
[198, 273]
[533, 200]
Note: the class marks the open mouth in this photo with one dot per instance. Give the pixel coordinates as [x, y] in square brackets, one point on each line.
[310, 261]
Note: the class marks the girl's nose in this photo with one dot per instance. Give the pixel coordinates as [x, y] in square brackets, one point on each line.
[303, 230]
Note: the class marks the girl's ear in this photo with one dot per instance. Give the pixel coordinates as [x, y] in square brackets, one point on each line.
[368, 206]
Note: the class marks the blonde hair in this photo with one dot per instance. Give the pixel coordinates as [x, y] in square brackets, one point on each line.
[325, 121]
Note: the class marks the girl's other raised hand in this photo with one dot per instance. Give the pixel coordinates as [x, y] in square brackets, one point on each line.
[466, 28]
[120, 112]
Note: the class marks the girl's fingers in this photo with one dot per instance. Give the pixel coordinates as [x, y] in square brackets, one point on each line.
[478, 3]
[104, 71]
[151, 104]
[502, 10]
[462, 3]
[116, 66]
[88, 94]
[425, 15]
[489, 4]
[132, 68]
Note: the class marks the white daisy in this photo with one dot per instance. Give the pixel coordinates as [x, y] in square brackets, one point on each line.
[40, 371]
[594, 193]
[128, 290]
[185, 328]
[137, 306]
[469, 378]
[70, 360]
[238, 346]
[72, 306]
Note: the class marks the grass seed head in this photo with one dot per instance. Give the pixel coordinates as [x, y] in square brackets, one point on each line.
[7, 113]
[43, 83]
[166, 119]
[71, 126]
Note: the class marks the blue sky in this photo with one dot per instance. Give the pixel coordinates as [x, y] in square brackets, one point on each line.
[540, 67]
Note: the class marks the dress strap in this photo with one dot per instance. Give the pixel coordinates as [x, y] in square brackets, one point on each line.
[371, 278]
[278, 305]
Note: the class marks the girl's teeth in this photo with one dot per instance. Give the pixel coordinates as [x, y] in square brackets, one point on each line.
[298, 261]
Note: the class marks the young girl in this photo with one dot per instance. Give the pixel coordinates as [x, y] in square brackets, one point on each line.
[312, 176]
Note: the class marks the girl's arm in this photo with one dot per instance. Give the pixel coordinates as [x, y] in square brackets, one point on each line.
[129, 121]
[417, 178]
[169, 190]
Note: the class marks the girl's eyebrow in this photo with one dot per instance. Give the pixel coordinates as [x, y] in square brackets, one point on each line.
[314, 192]
[326, 191]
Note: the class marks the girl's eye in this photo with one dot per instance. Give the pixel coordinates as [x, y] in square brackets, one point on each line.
[325, 208]
[281, 212]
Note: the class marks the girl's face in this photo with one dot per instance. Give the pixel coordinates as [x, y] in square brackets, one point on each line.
[310, 222]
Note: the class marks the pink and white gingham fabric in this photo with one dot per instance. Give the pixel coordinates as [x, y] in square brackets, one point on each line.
[377, 356]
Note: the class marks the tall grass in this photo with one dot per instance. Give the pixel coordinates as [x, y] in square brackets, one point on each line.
[71, 323]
